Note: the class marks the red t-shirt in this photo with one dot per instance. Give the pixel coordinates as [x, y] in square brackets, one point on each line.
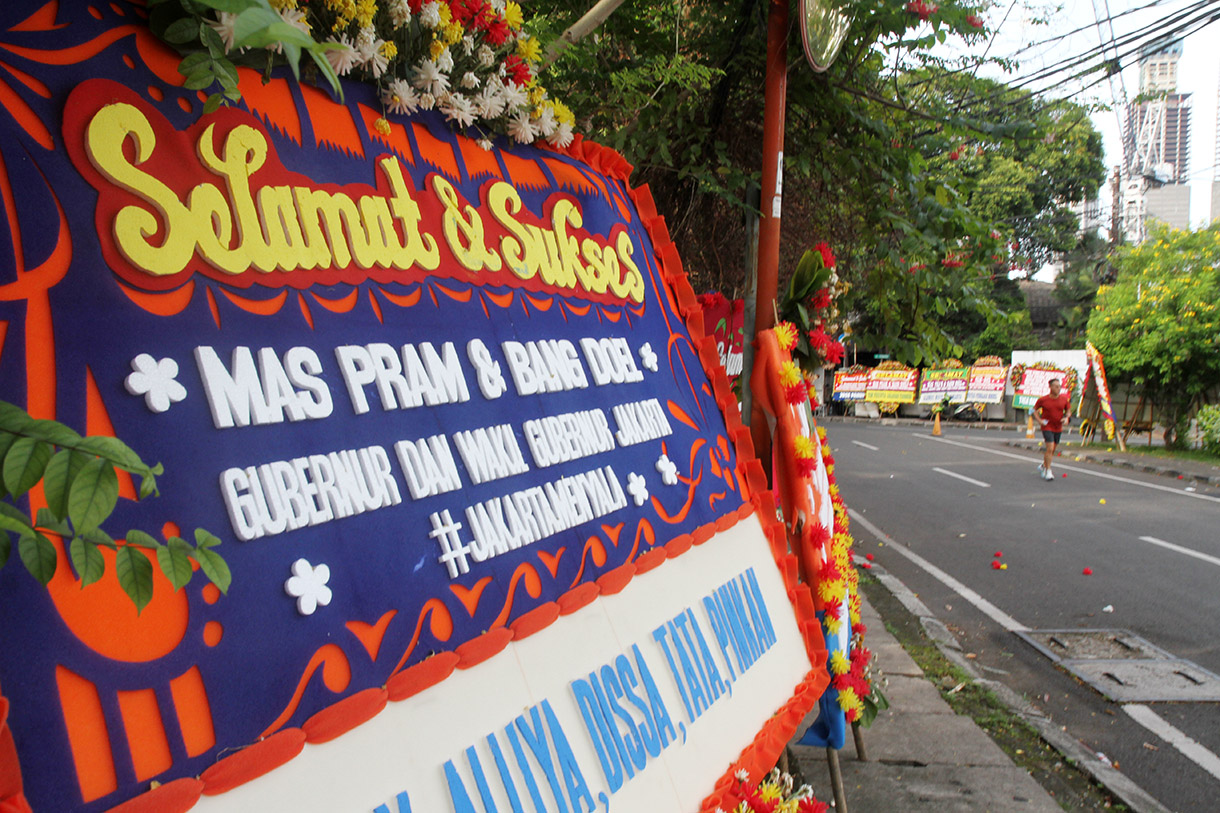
[1052, 411]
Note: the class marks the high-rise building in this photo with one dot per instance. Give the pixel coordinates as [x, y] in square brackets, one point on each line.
[1156, 145]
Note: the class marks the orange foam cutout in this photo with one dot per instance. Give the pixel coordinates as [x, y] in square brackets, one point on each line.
[523, 173]
[3, 333]
[332, 123]
[524, 574]
[336, 675]
[457, 296]
[535, 620]
[476, 650]
[338, 719]
[376, 306]
[479, 162]
[402, 300]
[341, 305]
[614, 581]
[305, 309]
[541, 303]
[97, 422]
[145, 733]
[178, 796]
[31, 82]
[169, 303]
[371, 635]
[211, 593]
[252, 762]
[87, 736]
[273, 101]
[469, 596]
[578, 597]
[650, 560]
[41, 20]
[552, 562]
[261, 307]
[679, 545]
[213, 631]
[194, 711]
[77, 53]
[569, 176]
[429, 672]
[681, 415]
[434, 151]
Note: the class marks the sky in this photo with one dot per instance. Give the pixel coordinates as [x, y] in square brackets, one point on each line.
[1015, 26]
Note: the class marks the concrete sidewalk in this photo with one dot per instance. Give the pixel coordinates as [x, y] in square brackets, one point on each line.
[1190, 471]
[922, 756]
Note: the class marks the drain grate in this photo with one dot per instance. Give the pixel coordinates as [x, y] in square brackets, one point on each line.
[1125, 667]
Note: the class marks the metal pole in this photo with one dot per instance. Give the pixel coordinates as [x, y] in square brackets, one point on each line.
[747, 328]
[775, 100]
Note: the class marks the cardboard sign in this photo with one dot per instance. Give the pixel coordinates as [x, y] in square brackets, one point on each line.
[987, 385]
[936, 386]
[892, 386]
[850, 386]
[443, 408]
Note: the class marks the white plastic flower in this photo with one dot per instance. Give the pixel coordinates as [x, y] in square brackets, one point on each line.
[514, 96]
[563, 135]
[156, 381]
[648, 358]
[457, 108]
[400, 97]
[468, 45]
[426, 101]
[308, 586]
[485, 144]
[366, 43]
[378, 63]
[521, 127]
[637, 488]
[399, 11]
[498, 6]
[489, 101]
[742, 775]
[224, 27]
[668, 470]
[445, 60]
[430, 14]
[546, 123]
[469, 80]
[485, 56]
[342, 56]
[430, 79]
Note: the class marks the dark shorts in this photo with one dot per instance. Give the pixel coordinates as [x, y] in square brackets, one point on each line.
[1051, 437]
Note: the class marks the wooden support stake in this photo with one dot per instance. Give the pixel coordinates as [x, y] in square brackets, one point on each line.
[858, 735]
[836, 780]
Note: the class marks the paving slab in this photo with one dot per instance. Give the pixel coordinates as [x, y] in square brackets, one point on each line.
[892, 659]
[874, 787]
[931, 739]
[914, 695]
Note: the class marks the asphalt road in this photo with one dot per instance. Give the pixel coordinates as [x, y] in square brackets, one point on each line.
[955, 501]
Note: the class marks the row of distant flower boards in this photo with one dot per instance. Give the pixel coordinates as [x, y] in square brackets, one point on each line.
[980, 385]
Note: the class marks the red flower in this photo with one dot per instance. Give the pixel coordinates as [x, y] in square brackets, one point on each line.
[923, 9]
[714, 299]
[974, 20]
[497, 32]
[834, 353]
[466, 10]
[859, 628]
[821, 299]
[811, 805]
[828, 259]
[796, 393]
[517, 69]
[818, 340]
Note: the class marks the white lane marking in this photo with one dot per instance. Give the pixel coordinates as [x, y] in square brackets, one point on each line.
[1205, 557]
[978, 483]
[1188, 747]
[983, 605]
[866, 445]
[1077, 469]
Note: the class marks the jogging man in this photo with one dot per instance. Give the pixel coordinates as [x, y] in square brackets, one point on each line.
[1051, 411]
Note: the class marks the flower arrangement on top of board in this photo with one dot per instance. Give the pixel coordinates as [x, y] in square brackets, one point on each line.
[809, 306]
[858, 695]
[472, 60]
[776, 793]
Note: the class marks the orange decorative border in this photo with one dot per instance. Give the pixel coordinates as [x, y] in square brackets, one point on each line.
[180, 795]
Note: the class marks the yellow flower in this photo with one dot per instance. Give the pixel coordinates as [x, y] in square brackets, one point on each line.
[789, 375]
[382, 126]
[389, 50]
[529, 49]
[803, 446]
[513, 15]
[848, 701]
[446, 14]
[283, 5]
[563, 113]
[785, 332]
[839, 663]
[454, 33]
[437, 48]
[365, 11]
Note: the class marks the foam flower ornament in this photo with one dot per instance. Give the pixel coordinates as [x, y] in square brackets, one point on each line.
[648, 358]
[156, 380]
[637, 487]
[668, 470]
[308, 586]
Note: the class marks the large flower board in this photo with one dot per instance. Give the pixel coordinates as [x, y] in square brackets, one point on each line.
[496, 533]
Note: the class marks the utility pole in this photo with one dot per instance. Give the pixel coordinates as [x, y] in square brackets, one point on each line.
[1116, 210]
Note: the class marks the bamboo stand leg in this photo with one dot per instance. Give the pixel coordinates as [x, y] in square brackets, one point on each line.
[836, 780]
[858, 735]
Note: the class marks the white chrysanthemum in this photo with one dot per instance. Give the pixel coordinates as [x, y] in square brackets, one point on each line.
[490, 100]
[224, 27]
[342, 56]
[457, 108]
[498, 6]
[485, 56]
[445, 61]
[429, 78]
[521, 127]
[366, 44]
[468, 45]
[399, 11]
[295, 17]
[485, 143]
[426, 101]
[514, 96]
[379, 61]
[469, 80]
[546, 121]
[562, 137]
[400, 97]
[430, 14]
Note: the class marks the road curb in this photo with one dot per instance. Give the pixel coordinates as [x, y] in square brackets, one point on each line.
[1117, 783]
[1122, 463]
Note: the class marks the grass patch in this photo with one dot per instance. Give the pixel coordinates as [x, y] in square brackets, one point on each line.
[1071, 787]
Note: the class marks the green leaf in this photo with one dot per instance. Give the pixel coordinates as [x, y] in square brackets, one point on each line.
[182, 31]
[210, 106]
[87, 560]
[14, 519]
[53, 432]
[6, 441]
[148, 486]
[58, 477]
[96, 536]
[213, 567]
[211, 40]
[38, 554]
[14, 418]
[93, 494]
[24, 464]
[175, 561]
[135, 575]
[191, 62]
[200, 79]
[50, 521]
[6, 547]
[140, 539]
[114, 450]
[205, 539]
[233, 6]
